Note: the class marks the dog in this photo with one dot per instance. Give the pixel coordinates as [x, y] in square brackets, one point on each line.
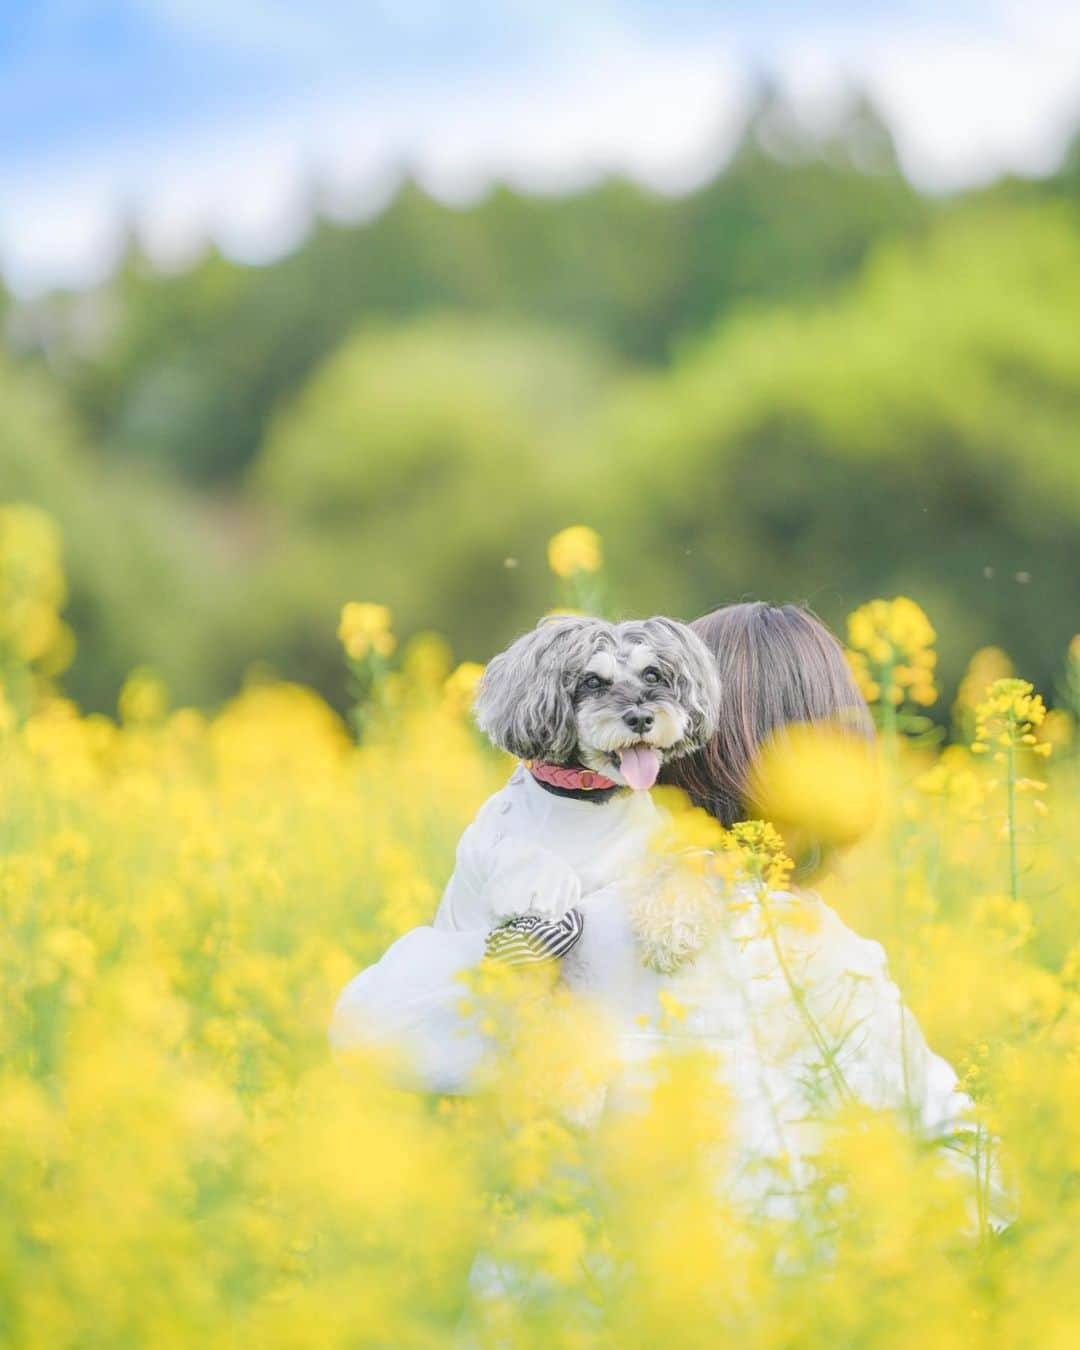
[594, 710]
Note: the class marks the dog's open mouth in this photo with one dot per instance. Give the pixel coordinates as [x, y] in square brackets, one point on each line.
[638, 764]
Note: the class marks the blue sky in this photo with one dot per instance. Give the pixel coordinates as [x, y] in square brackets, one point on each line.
[209, 117]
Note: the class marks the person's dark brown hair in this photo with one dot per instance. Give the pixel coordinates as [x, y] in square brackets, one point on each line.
[778, 664]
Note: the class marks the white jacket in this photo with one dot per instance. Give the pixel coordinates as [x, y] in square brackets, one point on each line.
[735, 999]
[528, 850]
[531, 851]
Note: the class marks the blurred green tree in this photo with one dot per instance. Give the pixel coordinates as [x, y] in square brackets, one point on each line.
[186, 370]
[801, 379]
[423, 466]
[148, 577]
[921, 435]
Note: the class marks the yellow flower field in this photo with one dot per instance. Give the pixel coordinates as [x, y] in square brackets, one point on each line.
[183, 1164]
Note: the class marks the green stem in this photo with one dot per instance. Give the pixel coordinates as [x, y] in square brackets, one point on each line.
[586, 593]
[890, 733]
[890, 722]
[1010, 791]
[799, 999]
[984, 1160]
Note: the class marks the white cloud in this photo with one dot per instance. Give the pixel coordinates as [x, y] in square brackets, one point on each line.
[965, 101]
[657, 115]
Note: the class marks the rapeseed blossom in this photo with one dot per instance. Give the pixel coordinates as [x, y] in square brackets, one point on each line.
[35, 643]
[891, 652]
[365, 627]
[460, 685]
[986, 665]
[181, 1163]
[575, 549]
[1009, 716]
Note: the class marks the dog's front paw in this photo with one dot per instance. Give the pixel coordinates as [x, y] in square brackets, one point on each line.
[527, 879]
[537, 901]
[673, 914]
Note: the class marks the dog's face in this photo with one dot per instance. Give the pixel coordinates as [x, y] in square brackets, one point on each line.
[620, 699]
[631, 707]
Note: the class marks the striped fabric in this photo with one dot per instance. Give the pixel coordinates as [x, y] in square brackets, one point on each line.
[529, 939]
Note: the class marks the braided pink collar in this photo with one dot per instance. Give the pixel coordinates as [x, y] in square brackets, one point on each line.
[558, 776]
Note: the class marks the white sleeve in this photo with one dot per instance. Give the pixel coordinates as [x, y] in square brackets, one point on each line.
[875, 1040]
[884, 1055]
[498, 879]
[908, 1073]
[525, 878]
[462, 906]
[411, 1000]
[942, 1112]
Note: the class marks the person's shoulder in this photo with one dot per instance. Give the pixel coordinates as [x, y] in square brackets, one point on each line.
[853, 953]
[805, 924]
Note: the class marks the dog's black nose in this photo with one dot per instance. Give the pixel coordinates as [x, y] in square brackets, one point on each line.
[637, 719]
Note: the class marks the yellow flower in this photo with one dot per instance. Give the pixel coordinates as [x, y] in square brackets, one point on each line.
[987, 665]
[820, 781]
[954, 779]
[673, 1010]
[144, 698]
[890, 650]
[426, 661]
[575, 549]
[460, 685]
[1007, 921]
[1008, 716]
[1059, 729]
[32, 591]
[183, 905]
[761, 853]
[365, 627]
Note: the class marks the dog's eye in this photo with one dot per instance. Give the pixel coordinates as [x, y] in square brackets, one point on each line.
[651, 675]
[592, 682]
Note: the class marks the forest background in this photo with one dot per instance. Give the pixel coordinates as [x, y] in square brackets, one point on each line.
[802, 380]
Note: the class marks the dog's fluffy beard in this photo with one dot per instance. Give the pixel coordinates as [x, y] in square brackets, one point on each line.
[619, 699]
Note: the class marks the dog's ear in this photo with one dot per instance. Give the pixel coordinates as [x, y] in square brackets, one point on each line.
[525, 702]
[694, 674]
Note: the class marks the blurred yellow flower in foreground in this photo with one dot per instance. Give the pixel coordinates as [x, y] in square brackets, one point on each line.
[575, 549]
[365, 627]
[819, 782]
[181, 1164]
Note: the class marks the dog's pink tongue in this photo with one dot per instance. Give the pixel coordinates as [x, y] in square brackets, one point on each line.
[639, 765]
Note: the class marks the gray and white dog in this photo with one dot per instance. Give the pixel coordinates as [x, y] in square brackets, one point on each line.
[595, 709]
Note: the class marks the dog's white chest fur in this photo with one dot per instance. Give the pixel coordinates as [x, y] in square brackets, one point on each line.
[530, 851]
